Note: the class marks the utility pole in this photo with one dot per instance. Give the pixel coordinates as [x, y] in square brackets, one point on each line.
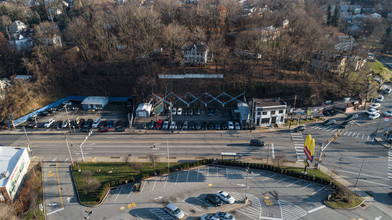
[359, 173]
[69, 151]
[292, 112]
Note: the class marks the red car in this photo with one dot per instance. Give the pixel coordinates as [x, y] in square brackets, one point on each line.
[104, 129]
[159, 124]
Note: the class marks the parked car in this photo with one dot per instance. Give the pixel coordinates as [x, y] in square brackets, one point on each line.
[214, 199]
[237, 126]
[179, 111]
[224, 126]
[217, 126]
[216, 111]
[110, 124]
[81, 122]
[151, 125]
[65, 124]
[190, 112]
[185, 125]
[230, 125]
[174, 112]
[31, 125]
[374, 116]
[224, 216]
[204, 125]
[49, 123]
[58, 124]
[388, 113]
[104, 129]
[225, 197]
[88, 123]
[347, 124]
[197, 112]
[257, 142]
[210, 112]
[352, 117]
[119, 129]
[210, 126]
[119, 124]
[300, 128]
[329, 122]
[191, 125]
[197, 125]
[165, 125]
[372, 111]
[375, 105]
[102, 124]
[174, 211]
[173, 125]
[388, 90]
[159, 124]
[380, 98]
[179, 125]
[96, 123]
[208, 217]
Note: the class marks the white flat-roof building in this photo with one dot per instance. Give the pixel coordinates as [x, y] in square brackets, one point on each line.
[13, 167]
[144, 110]
[268, 111]
[95, 102]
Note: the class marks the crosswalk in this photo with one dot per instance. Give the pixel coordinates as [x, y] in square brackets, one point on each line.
[291, 211]
[299, 142]
[253, 211]
[347, 133]
[389, 163]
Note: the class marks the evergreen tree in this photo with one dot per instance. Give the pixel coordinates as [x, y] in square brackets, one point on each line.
[329, 15]
[336, 17]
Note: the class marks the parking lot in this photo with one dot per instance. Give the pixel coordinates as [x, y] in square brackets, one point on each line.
[191, 119]
[271, 195]
[112, 113]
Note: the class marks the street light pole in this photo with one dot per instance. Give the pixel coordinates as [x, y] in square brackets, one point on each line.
[69, 151]
[246, 185]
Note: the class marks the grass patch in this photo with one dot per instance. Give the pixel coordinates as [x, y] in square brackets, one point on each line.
[35, 212]
[345, 202]
[95, 178]
[303, 121]
[380, 69]
[311, 172]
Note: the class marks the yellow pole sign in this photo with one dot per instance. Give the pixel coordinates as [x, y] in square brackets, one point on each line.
[309, 147]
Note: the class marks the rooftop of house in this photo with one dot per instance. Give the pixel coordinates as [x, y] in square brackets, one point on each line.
[198, 47]
[9, 157]
[268, 102]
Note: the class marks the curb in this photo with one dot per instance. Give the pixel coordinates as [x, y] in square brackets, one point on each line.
[363, 201]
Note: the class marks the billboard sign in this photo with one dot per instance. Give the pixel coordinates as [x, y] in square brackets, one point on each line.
[158, 109]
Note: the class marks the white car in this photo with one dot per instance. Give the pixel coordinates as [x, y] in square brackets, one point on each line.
[374, 116]
[208, 217]
[388, 90]
[225, 197]
[388, 113]
[179, 111]
[65, 124]
[380, 98]
[230, 125]
[174, 211]
[372, 111]
[165, 125]
[185, 125]
[173, 125]
[174, 112]
[49, 123]
[237, 126]
[224, 216]
[96, 123]
[375, 105]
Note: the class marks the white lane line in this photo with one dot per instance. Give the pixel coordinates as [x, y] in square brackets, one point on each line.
[362, 174]
[192, 206]
[363, 136]
[198, 173]
[357, 135]
[167, 177]
[217, 172]
[318, 190]
[55, 211]
[130, 191]
[349, 133]
[305, 186]
[118, 194]
[362, 180]
[267, 177]
[54, 159]
[280, 180]
[353, 134]
[316, 209]
[177, 178]
[187, 176]
[368, 137]
[227, 174]
[273, 150]
[155, 182]
[66, 159]
[141, 190]
[292, 183]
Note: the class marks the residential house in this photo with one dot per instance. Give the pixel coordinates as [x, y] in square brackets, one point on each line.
[267, 112]
[331, 62]
[54, 41]
[16, 27]
[21, 42]
[356, 62]
[345, 43]
[269, 33]
[197, 54]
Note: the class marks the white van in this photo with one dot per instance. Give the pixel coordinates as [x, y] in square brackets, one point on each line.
[174, 211]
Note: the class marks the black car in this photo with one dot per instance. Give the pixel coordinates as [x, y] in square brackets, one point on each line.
[85, 129]
[58, 124]
[190, 111]
[347, 124]
[257, 142]
[210, 112]
[198, 125]
[210, 126]
[151, 125]
[300, 128]
[224, 126]
[88, 123]
[214, 199]
[352, 117]
[191, 125]
[204, 125]
[179, 125]
[119, 129]
[197, 112]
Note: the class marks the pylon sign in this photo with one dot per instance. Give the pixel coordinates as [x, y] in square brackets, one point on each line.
[309, 147]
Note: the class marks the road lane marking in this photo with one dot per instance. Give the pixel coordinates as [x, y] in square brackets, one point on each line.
[362, 174]
[357, 135]
[54, 159]
[58, 184]
[349, 133]
[368, 137]
[55, 211]
[305, 186]
[316, 209]
[318, 190]
[363, 136]
[362, 180]
[273, 150]
[177, 178]
[117, 194]
[353, 134]
[155, 182]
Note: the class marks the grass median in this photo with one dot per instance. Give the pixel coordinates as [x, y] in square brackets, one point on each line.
[94, 179]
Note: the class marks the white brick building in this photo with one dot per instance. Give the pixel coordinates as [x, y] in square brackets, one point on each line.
[268, 111]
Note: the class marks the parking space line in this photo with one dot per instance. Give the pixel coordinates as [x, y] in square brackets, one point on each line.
[357, 135]
[305, 186]
[141, 190]
[362, 180]
[227, 174]
[177, 178]
[268, 177]
[318, 190]
[198, 173]
[217, 172]
[153, 187]
[192, 206]
[280, 180]
[363, 136]
[273, 150]
[55, 211]
[208, 204]
[187, 175]
[208, 170]
[167, 177]
[349, 133]
[292, 183]
[245, 214]
[117, 194]
[316, 209]
[368, 137]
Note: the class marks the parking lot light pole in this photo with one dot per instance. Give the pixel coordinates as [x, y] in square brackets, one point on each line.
[66, 112]
[246, 185]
